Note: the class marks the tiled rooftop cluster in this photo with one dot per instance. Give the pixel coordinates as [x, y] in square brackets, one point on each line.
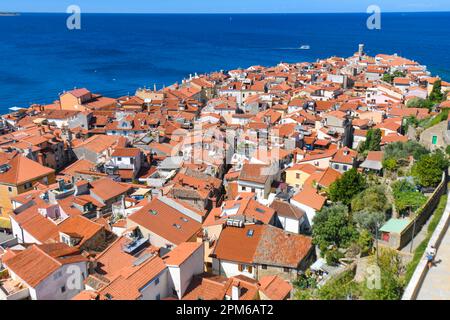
[215, 179]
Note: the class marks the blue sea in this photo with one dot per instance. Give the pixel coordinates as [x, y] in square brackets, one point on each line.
[113, 54]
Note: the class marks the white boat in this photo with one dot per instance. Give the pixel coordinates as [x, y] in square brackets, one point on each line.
[305, 47]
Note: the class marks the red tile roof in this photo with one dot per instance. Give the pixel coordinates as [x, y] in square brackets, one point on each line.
[38, 262]
[21, 170]
[166, 222]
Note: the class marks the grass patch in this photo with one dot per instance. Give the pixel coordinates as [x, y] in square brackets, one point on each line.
[430, 122]
[418, 253]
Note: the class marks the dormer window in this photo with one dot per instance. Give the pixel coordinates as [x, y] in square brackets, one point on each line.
[70, 241]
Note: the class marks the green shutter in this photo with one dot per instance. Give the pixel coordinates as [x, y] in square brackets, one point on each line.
[434, 140]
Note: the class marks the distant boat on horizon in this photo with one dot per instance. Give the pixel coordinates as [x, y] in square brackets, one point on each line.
[305, 47]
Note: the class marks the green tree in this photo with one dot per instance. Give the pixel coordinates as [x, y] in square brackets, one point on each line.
[332, 226]
[365, 241]
[436, 95]
[340, 288]
[401, 151]
[368, 220]
[390, 164]
[389, 77]
[371, 199]
[420, 103]
[373, 141]
[392, 278]
[350, 184]
[406, 196]
[428, 170]
[409, 121]
[332, 257]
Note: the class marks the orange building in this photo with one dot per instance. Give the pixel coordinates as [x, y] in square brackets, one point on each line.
[18, 176]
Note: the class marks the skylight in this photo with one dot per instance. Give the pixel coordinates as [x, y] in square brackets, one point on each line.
[250, 233]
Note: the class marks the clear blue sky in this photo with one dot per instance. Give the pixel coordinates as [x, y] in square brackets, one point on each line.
[224, 6]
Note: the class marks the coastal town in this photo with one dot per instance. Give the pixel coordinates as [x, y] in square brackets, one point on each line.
[286, 182]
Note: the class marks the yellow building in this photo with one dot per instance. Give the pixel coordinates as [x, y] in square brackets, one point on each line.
[18, 176]
[298, 174]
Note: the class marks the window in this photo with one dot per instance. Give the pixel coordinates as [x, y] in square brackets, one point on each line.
[158, 297]
[10, 189]
[297, 175]
[253, 189]
[264, 267]
[336, 166]
[286, 269]
[156, 281]
[245, 268]
[345, 168]
[119, 159]
[132, 160]
[63, 289]
[57, 275]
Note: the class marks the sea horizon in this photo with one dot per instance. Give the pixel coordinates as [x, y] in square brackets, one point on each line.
[228, 13]
[115, 53]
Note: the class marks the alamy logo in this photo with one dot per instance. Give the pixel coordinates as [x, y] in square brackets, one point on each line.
[74, 20]
[373, 277]
[374, 20]
[75, 280]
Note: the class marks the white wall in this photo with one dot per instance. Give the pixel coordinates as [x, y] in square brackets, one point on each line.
[182, 275]
[50, 287]
[310, 212]
[322, 163]
[231, 269]
[289, 224]
[162, 287]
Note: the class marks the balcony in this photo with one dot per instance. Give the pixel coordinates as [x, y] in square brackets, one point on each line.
[134, 245]
[119, 166]
[13, 290]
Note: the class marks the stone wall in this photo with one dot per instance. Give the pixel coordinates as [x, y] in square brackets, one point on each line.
[424, 213]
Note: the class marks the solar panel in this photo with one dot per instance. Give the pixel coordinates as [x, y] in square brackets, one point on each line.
[142, 259]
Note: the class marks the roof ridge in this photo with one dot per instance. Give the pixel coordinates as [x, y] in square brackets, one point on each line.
[45, 253]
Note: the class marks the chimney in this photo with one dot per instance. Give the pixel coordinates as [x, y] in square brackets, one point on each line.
[40, 158]
[235, 292]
